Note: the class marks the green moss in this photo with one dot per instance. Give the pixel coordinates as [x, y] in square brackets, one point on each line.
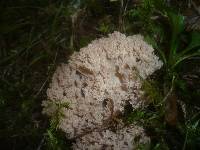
[55, 138]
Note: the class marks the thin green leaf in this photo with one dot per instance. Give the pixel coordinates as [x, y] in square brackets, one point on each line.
[181, 59]
[55, 20]
[177, 27]
[195, 125]
[195, 42]
[152, 42]
[35, 60]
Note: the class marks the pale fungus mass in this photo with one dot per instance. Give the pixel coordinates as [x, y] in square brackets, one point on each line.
[98, 82]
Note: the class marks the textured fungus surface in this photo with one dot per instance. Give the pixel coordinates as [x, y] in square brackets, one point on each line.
[97, 82]
[122, 139]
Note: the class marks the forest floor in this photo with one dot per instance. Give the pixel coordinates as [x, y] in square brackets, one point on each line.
[36, 36]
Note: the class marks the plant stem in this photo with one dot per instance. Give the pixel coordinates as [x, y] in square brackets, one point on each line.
[184, 146]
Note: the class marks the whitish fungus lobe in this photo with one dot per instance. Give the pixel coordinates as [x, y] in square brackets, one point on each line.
[97, 83]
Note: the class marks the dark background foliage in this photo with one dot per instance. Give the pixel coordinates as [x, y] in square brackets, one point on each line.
[37, 35]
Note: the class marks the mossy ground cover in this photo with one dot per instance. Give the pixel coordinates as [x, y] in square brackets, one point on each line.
[35, 36]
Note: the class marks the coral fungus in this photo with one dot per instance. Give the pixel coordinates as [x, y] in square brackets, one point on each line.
[98, 82]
